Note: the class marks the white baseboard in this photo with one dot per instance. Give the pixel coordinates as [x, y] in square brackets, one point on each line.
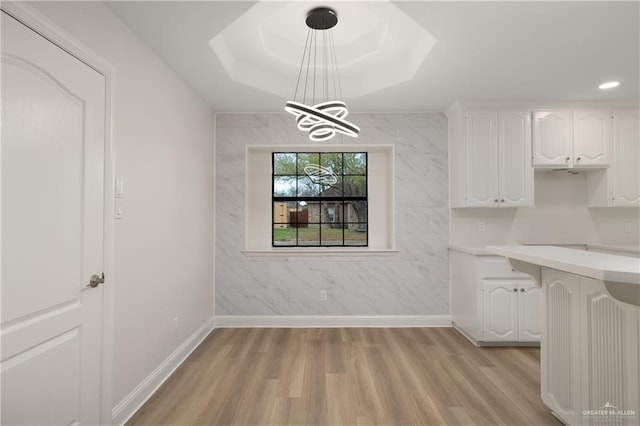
[126, 408]
[330, 321]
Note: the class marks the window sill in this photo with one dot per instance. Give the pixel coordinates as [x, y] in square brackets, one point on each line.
[299, 251]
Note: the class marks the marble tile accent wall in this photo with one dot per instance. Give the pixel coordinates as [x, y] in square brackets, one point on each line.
[415, 281]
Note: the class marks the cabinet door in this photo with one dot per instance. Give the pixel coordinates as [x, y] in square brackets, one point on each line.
[553, 138]
[514, 165]
[592, 133]
[560, 351]
[529, 311]
[626, 146]
[482, 158]
[500, 311]
[609, 353]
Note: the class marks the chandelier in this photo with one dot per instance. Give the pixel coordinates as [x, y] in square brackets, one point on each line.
[320, 82]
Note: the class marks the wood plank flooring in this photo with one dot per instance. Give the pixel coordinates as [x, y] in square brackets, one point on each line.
[349, 376]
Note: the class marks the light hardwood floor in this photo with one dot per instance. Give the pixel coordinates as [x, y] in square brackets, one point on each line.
[349, 376]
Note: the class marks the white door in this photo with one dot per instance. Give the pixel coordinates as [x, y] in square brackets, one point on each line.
[592, 133]
[515, 170]
[553, 138]
[529, 311]
[53, 115]
[482, 158]
[500, 311]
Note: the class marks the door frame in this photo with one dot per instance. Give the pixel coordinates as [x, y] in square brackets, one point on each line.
[52, 32]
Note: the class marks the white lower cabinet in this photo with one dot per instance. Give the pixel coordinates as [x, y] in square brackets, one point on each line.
[590, 357]
[511, 311]
[491, 302]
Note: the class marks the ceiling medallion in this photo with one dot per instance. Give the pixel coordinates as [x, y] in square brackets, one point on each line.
[326, 117]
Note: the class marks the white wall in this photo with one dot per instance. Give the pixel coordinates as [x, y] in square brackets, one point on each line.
[560, 216]
[163, 138]
[412, 282]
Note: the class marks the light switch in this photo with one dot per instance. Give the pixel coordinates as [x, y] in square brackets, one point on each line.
[119, 190]
[119, 211]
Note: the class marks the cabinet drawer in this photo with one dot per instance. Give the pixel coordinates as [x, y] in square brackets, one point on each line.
[498, 267]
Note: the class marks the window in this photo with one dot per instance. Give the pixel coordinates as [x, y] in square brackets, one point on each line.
[259, 206]
[319, 199]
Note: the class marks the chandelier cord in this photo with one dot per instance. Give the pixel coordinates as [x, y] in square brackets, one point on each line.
[315, 64]
[330, 66]
[306, 79]
[295, 93]
[335, 64]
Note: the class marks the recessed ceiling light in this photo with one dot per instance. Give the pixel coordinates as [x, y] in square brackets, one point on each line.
[609, 85]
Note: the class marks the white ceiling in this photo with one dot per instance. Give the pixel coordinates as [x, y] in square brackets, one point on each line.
[485, 51]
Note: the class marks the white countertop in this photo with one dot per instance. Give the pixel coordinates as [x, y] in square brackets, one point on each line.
[633, 250]
[599, 266]
[481, 250]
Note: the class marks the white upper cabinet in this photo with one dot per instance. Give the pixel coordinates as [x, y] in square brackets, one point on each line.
[490, 158]
[626, 170]
[592, 133]
[552, 138]
[619, 185]
[568, 138]
[482, 158]
[514, 150]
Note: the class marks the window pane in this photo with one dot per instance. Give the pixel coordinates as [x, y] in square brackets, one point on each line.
[306, 188]
[284, 186]
[332, 212]
[309, 236]
[356, 211]
[298, 217]
[355, 186]
[306, 158]
[355, 234]
[283, 235]
[280, 213]
[334, 190]
[284, 163]
[355, 163]
[331, 234]
[332, 161]
[313, 212]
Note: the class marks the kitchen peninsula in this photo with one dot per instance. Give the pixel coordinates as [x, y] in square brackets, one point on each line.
[590, 321]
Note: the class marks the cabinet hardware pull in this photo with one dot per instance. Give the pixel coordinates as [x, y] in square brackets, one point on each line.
[522, 290]
[567, 159]
[502, 200]
[495, 201]
[578, 159]
[515, 290]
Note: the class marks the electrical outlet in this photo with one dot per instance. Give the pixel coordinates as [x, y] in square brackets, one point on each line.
[481, 227]
[323, 295]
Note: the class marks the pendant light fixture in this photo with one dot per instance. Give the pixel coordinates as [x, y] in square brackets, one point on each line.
[320, 82]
